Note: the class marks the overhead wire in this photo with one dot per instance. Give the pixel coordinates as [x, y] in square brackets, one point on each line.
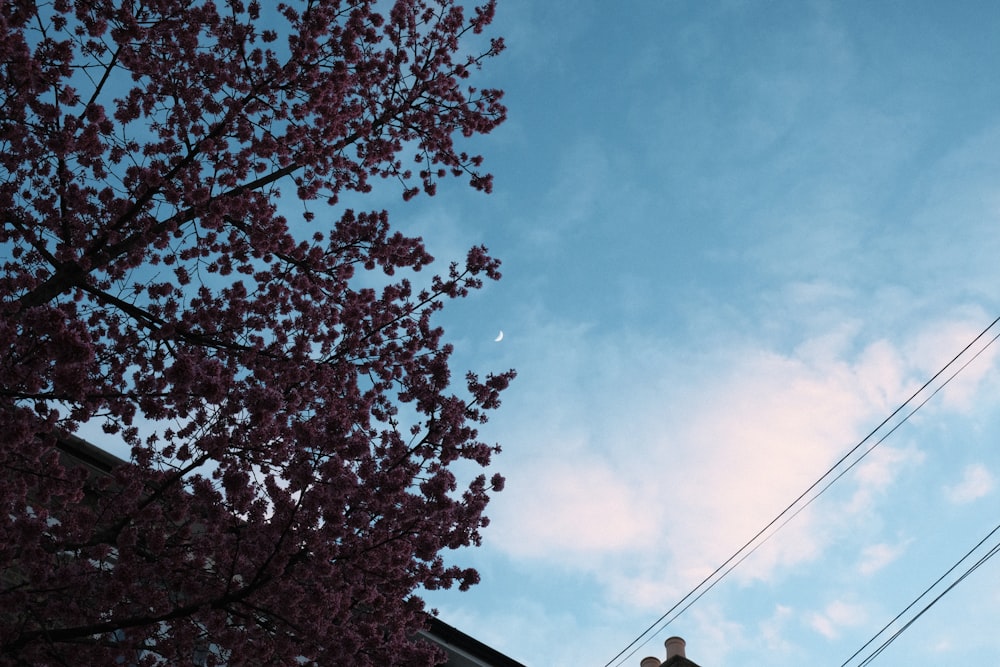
[754, 543]
[989, 554]
[807, 503]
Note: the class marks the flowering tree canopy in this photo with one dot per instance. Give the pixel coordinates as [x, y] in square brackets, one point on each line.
[284, 393]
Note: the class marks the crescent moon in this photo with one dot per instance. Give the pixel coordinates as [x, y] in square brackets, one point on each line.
[499, 337]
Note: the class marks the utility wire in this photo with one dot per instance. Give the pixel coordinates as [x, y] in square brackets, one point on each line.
[992, 552]
[739, 556]
[823, 490]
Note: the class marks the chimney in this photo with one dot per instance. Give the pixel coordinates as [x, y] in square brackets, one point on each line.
[675, 646]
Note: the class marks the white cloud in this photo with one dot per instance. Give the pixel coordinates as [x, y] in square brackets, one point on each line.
[936, 345]
[878, 471]
[942, 645]
[876, 556]
[772, 630]
[882, 466]
[836, 616]
[759, 439]
[717, 635]
[643, 454]
[645, 466]
[977, 481]
[578, 506]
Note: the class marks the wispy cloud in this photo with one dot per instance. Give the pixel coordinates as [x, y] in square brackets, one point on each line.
[836, 616]
[646, 470]
[976, 482]
[877, 472]
[772, 629]
[576, 507]
[935, 346]
[693, 465]
[721, 294]
[877, 556]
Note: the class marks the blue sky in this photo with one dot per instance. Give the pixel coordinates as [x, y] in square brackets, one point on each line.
[736, 236]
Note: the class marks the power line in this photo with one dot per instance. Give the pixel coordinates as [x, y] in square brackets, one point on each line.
[989, 554]
[739, 556]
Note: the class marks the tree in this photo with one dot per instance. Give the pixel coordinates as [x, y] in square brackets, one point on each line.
[277, 376]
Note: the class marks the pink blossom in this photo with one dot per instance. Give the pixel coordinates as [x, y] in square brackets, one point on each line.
[284, 511]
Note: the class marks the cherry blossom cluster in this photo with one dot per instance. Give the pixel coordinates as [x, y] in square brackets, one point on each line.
[285, 393]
